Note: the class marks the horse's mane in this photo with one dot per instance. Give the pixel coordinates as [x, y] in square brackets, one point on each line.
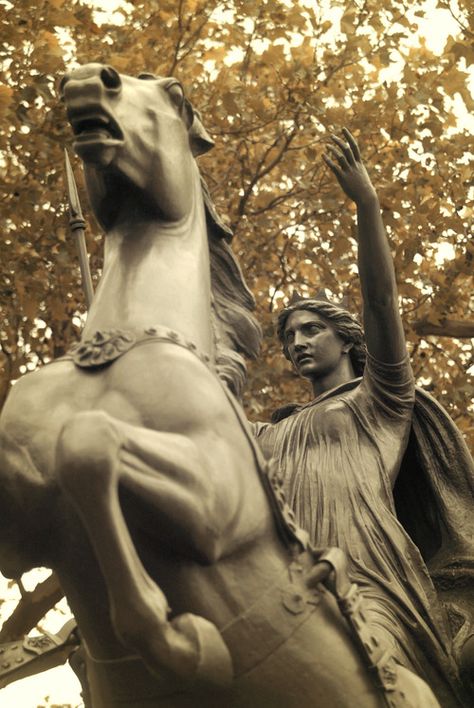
[236, 329]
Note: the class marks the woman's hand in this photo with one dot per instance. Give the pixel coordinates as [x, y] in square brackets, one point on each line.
[349, 169]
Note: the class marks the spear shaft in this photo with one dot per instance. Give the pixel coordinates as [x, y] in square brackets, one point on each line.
[78, 226]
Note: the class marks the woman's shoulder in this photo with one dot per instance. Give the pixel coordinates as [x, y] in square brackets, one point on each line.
[390, 387]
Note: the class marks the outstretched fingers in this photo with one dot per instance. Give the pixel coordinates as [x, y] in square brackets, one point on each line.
[340, 156]
[353, 143]
[346, 165]
[333, 166]
[344, 153]
[345, 149]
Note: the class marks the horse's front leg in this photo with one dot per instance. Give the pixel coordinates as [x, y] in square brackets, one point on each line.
[95, 453]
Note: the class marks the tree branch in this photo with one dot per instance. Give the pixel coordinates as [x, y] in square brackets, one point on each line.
[31, 609]
[460, 329]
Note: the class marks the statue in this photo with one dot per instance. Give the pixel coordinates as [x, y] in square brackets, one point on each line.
[341, 455]
[128, 468]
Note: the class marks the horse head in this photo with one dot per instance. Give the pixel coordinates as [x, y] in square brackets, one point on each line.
[131, 134]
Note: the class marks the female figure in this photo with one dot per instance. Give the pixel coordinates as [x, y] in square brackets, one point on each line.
[339, 456]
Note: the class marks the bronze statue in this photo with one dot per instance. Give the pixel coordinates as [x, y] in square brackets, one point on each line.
[340, 456]
[128, 468]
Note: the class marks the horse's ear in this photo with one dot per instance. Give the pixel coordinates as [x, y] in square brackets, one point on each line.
[200, 139]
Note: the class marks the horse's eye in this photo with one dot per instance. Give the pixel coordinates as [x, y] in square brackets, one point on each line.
[176, 94]
[146, 77]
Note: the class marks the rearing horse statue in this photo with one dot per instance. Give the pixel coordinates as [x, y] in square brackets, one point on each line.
[127, 465]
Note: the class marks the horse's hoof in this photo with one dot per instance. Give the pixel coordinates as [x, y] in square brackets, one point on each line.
[214, 663]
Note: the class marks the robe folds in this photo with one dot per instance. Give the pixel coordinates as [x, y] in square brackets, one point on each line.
[379, 470]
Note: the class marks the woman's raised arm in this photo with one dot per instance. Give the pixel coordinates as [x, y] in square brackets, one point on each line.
[382, 322]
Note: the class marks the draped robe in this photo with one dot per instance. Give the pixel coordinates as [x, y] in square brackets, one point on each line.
[338, 457]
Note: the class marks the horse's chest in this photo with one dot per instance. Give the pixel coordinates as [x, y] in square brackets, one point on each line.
[41, 403]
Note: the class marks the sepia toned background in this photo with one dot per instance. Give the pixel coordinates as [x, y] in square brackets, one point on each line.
[272, 81]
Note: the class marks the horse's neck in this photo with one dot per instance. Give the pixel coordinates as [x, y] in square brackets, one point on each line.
[156, 273]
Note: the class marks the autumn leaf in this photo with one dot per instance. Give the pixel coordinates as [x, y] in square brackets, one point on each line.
[229, 103]
[348, 22]
[6, 94]
[52, 43]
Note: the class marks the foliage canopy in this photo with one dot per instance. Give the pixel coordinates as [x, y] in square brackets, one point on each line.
[272, 80]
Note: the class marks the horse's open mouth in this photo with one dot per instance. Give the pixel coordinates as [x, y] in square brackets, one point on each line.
[96, 127]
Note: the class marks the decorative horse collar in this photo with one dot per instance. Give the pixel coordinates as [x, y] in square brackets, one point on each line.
[107, 345]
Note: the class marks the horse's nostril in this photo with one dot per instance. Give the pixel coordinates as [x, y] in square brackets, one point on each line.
[110, 78]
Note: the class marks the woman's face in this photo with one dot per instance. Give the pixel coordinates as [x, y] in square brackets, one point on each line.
[313, 346]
